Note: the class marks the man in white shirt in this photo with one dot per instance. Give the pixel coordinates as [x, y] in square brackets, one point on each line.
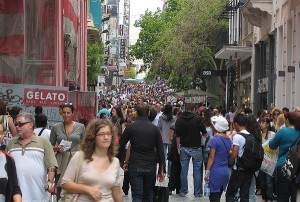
[239, 179]
[159, 113]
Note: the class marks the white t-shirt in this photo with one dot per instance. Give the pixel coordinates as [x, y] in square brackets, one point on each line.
[240, 141]
[155, 121]
[45, 133]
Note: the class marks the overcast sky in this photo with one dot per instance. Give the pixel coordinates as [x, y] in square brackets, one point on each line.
[138, 7]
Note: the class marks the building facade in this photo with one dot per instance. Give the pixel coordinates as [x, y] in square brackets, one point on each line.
[43, 42]
[265, 60]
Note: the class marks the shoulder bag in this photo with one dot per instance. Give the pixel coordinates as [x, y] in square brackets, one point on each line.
[231, 160]
[72, 197]
[289, 168]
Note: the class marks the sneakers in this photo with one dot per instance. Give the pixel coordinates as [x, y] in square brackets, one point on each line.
[181, 194]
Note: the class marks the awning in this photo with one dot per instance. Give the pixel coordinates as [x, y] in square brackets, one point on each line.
[196, 92]
[234, 52]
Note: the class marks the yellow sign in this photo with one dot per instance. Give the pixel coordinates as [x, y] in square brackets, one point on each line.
[130, 72]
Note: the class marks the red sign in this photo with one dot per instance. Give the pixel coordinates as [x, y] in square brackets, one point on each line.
[44, 97]
[112, 68]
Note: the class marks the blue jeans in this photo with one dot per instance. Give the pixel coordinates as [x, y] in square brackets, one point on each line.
[186, 154]
[266, 186]
[167, 148]
[142, 182]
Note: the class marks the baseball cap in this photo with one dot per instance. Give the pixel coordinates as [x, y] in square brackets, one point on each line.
[219, 123]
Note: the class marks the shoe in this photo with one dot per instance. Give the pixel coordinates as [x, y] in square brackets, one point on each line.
[181, 194]
[170, 192]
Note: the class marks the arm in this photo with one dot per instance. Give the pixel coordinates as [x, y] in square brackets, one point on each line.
[53, 140]
[160, 152]
[82, 189]
[234, 151]
[127, 157]
[117, 194]
[178, 142]
[17, 198]
[210, 162]
[51, 176]
[122, 143]
[17, 194]
[275, 141]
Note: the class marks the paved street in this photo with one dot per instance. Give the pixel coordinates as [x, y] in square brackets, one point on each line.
[189, 197]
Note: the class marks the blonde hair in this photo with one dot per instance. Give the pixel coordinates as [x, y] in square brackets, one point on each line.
[280, 122]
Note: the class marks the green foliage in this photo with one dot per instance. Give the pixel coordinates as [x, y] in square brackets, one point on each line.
[94, 59]
[180, 41]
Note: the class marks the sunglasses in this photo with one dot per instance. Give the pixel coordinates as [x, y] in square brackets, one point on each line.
[20, 124]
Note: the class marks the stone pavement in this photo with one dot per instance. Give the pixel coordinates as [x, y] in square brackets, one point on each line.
[189, 197]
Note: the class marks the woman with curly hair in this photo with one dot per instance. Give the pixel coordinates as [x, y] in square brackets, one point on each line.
[99, 178]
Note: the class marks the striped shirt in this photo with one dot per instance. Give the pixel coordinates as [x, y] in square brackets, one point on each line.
[32, 161]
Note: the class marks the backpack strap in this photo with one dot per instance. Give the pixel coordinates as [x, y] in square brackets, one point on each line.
[40, 133]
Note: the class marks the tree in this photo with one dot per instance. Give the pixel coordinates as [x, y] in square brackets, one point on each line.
[183, 39]
[94, 59]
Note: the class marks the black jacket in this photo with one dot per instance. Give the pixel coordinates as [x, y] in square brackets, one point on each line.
[12, 185]
[144, 136]
[189, 127]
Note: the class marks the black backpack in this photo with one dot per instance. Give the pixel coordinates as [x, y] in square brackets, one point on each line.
[253, 154]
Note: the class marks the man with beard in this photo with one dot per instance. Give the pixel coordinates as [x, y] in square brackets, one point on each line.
[34, 158]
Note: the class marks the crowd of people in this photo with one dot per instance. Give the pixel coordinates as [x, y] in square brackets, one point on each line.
[150, 139]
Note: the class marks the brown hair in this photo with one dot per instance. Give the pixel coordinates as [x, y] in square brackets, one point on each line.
[297, 121]
[2, 108]
[89, 143]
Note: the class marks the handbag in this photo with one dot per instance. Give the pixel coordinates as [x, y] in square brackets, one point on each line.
[289, 168]
[269, 162]
[161, 191]
[231, 161]
[72, 197]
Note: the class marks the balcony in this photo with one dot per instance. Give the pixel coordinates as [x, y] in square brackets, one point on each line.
[258, 11]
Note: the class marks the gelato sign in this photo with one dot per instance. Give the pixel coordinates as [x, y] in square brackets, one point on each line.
[44, 97]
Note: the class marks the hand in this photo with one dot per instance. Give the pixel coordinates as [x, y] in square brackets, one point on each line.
[161, 176]
[95, 193]
[207, 174]
[125, 167]
[50, 187]
[59, 149]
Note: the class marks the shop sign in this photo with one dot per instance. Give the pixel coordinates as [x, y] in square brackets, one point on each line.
[262, 85]
[44, 97]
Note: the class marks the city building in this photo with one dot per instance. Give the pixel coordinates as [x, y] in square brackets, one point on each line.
[262, 53]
